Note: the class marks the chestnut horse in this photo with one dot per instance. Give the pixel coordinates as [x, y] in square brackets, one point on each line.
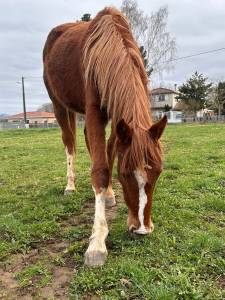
[95, 68]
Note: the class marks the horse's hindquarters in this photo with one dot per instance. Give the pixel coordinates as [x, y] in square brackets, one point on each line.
[63, 66]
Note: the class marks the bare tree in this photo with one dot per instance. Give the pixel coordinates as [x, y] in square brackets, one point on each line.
[48, 107]
[152, 34]
[217, 97]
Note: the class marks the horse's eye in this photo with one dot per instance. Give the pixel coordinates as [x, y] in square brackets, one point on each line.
[120, 155]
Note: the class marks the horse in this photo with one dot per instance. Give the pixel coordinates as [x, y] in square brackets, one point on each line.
[95, 68]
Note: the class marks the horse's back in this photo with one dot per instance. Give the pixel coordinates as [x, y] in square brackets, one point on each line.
[57, 32]
[62, 57]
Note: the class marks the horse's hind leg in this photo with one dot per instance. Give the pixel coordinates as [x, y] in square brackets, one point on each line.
[110, 200]
[67, 122]
[70, 153]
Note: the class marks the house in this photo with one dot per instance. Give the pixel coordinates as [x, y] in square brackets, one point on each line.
[34, 118]
[164, 102]
[162, 99]
[205, 113]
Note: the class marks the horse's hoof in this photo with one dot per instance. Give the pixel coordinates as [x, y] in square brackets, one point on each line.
[95, 258]
[68, 192]
[110, 202]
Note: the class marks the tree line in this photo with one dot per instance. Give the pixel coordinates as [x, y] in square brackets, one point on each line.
[198, 93]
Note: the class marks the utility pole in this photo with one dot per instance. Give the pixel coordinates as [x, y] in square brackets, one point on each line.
[24, 102]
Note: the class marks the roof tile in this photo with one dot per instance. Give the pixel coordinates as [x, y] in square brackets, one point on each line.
[33, 114]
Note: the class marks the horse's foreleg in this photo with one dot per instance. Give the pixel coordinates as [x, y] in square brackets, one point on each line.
[95, 136]
[96, 253]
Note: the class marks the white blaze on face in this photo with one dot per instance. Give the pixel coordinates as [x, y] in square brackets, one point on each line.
[70, 171]
[142, 201]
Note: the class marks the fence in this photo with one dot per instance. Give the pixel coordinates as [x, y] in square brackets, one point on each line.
[177, 117]
[189, 120]
[21, 125]
[205, 119]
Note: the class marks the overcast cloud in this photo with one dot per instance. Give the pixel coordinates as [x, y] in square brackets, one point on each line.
[24, 25]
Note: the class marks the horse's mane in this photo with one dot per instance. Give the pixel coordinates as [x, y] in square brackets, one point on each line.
[113, 64]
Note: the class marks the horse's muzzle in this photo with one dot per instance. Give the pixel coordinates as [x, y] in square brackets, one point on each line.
[139, 231]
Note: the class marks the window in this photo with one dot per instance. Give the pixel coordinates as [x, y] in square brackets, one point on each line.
[162, 97]
[179, 115]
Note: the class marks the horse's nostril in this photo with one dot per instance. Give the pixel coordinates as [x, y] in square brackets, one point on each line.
[132, 228]
[133, 232]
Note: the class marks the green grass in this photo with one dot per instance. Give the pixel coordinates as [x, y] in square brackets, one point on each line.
[32, 180]
[182, 259]
[37, 275]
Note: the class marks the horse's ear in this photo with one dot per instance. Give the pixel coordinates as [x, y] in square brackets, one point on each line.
[124, 132]
[157, 129]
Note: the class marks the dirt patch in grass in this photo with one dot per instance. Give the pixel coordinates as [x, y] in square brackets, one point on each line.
[60, 275]
[221, 282]
[222, 182]
[57, 256]
[8, 285]
[214, 219]
[57, 289]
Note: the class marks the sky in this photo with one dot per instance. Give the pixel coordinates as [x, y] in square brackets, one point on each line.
[197, 26]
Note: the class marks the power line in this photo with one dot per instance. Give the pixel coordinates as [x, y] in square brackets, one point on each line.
[33, 77]
[175, 59]
[195, 54]
[167, 61]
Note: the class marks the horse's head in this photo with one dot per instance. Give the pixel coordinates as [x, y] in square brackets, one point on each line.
[139, 167]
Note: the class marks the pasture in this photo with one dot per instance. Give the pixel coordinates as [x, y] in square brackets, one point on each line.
[44, 234]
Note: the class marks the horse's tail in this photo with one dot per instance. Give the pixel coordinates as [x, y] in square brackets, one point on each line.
[111, 59]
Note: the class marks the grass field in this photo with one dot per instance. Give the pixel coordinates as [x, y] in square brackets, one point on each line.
[43, 234]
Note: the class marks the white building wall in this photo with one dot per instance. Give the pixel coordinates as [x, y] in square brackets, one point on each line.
[169, 100]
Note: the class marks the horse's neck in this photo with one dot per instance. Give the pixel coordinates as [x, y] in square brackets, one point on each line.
[141, 119]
